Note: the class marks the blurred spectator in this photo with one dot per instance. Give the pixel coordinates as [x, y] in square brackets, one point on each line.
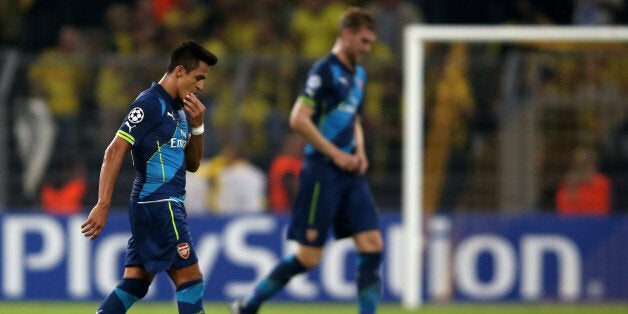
[279, 12]
[210, 170]
[266, 103]
[234, 184]
[392, 16]
[222, 101]
[59, 77]
[244, 188]
[184, 20]
[584, 190]
[217, 42]
[380, 115]
[146, 31]
[196, 188]
[119, 29]
[65, 190]
[313, 26]
[239, 31]
[243, 185]
[596, 12]
[214, 89]
[447, 148]
[382, 102]
[112, 94]
[283, 175]
[35, 133]
[240, 27]
[597, 93]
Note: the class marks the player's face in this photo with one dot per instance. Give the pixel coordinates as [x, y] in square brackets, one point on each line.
[359, 44]
[193, 81]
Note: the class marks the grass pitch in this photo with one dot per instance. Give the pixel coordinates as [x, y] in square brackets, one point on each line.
[325, 308]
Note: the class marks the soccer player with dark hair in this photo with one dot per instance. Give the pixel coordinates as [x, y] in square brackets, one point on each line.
[333, 191]
[164, 132]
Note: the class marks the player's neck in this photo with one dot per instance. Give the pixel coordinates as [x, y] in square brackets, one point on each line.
[342, 56]
[168, 85]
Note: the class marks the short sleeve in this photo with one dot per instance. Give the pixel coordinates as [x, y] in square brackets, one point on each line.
[314, 90]
[143, 117]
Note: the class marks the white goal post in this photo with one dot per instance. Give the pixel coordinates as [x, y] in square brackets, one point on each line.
[415, 38]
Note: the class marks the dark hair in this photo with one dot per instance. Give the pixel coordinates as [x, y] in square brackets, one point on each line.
[356, 18]
[188, 54]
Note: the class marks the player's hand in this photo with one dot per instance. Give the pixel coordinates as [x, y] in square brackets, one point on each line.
[363, 165]
[347, 162]
[195, 109]
[95, 222]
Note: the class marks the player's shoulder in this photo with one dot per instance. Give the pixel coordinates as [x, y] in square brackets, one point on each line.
[143, 99]
[322, 67]
[149, 102]
[325, 62]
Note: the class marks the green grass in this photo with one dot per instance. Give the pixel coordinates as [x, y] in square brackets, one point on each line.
[326, 308]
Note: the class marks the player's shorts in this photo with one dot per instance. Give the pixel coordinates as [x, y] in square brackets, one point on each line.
[160, 237]
[329, 197]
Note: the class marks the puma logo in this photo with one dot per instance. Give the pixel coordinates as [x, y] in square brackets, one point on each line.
[128, 125]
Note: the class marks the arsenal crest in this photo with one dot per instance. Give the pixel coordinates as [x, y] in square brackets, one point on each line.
[311, 234]
[184, 250]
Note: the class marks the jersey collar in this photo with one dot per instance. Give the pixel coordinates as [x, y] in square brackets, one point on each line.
[177, 104]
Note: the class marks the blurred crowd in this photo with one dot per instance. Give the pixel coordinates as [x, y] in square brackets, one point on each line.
[149, 26]
[84, 62]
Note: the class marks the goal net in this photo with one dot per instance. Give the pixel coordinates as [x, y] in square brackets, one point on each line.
[534, 93]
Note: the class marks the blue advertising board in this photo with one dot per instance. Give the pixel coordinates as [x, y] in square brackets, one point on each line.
[466, 257]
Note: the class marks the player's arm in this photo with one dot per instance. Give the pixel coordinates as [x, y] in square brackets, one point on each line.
[111, 164]
[360, 152]
[301, 122]
[194, 148]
